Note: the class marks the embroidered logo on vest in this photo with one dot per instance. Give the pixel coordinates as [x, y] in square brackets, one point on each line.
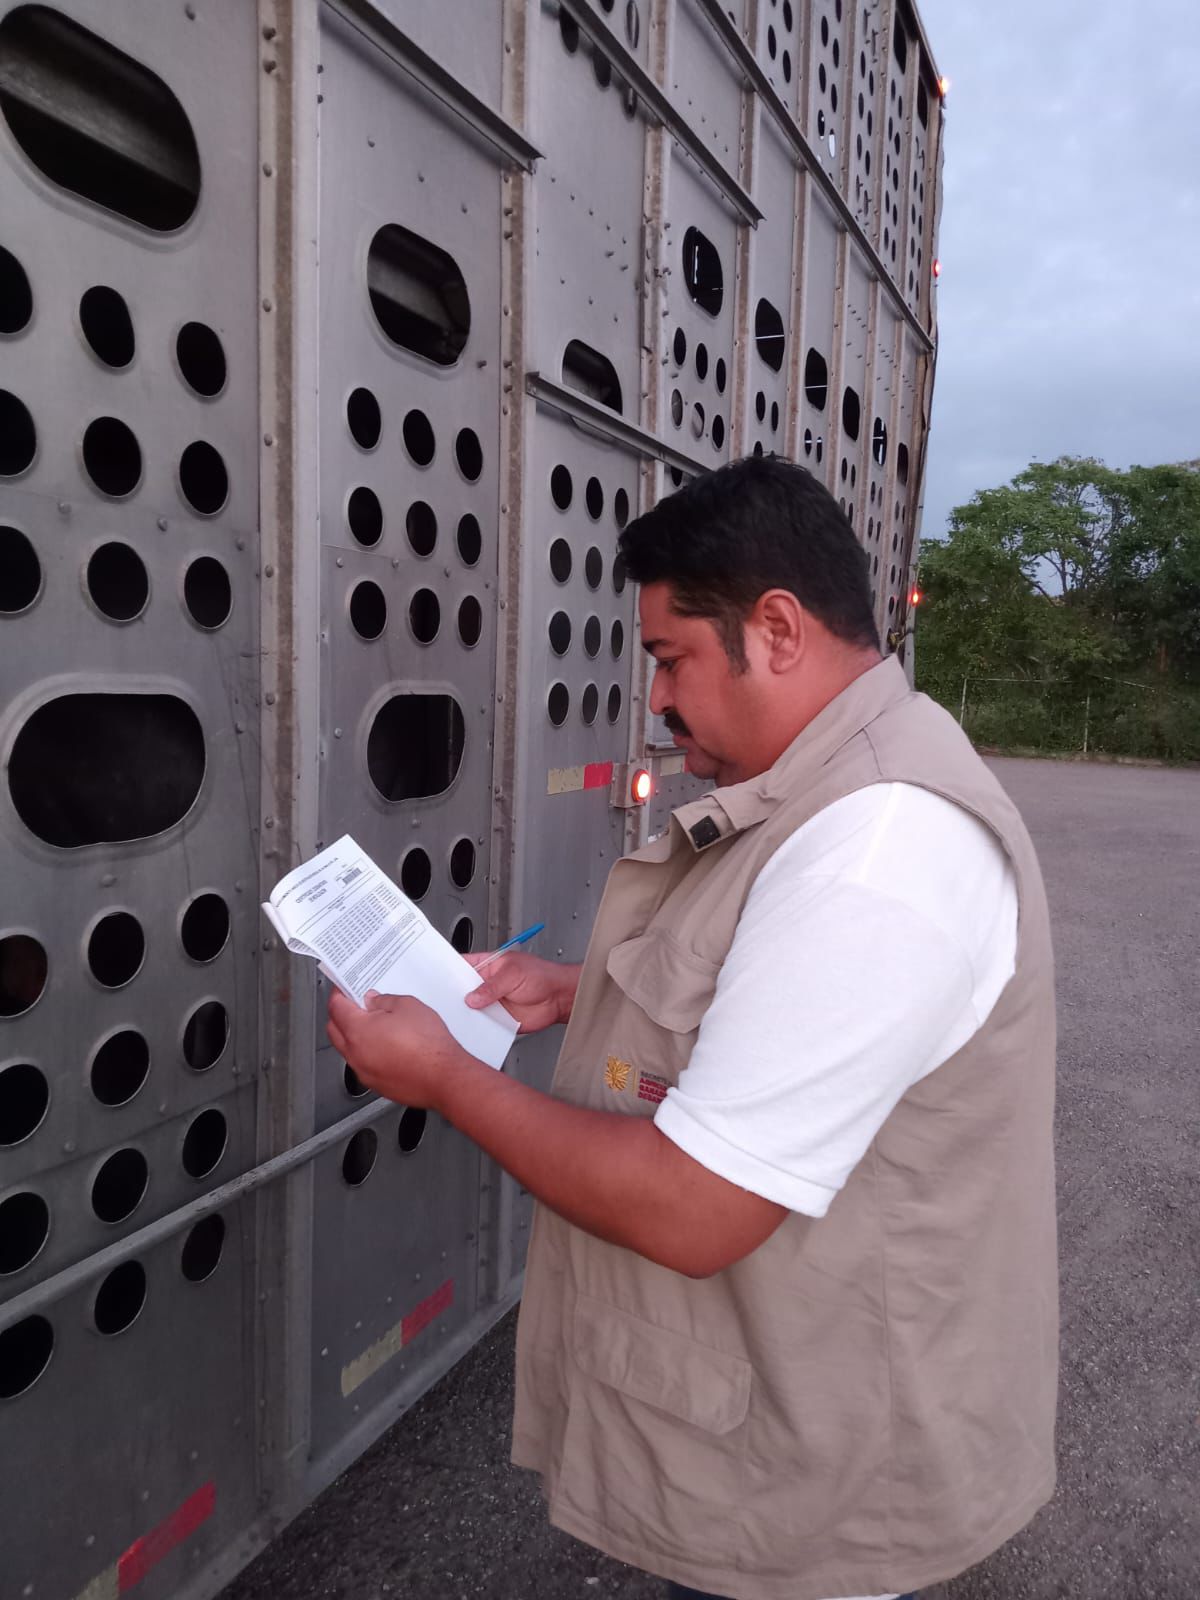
[704, 832]
[651, 1087]
[616, 1073]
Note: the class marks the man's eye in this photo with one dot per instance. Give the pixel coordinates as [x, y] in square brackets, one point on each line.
[667, 665]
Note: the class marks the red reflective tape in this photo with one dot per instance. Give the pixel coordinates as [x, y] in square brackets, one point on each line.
[149, 1550]
[597, 775]
[421, 1316]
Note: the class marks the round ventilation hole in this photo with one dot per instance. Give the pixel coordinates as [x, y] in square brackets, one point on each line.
[207, 592]
[201, 358]
[120, 1067]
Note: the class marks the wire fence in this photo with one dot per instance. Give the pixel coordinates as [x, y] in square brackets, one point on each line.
[1088, 715]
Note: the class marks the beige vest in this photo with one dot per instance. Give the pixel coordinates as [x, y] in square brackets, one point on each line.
[866, 1402]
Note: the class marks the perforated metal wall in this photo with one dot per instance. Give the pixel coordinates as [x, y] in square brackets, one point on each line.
[339, 342]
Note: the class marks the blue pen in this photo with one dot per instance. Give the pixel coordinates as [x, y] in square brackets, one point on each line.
[517, 938]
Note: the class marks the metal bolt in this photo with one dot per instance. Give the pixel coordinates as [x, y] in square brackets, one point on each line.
[269, 31]
[269, 66]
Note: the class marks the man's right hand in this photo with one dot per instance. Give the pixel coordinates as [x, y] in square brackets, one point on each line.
[537, 993]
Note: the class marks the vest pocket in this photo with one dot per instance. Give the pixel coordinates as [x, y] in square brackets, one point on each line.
[670, 983]
[655, 1440]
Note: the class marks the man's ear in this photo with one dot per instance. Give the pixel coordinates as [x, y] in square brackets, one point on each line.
[783, 628]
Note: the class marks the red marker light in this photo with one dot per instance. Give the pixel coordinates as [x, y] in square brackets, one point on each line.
[915, 598]
[642, 786]
[943, 86]
[937, 269]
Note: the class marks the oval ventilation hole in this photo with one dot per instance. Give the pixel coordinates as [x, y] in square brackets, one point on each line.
[359, 1156]
[677, 408]
[621, 508]
[205, 1035]
[120, 1067]
[117, 582]
[618, 575]
[25, 1351]
[593, 568]
[760, 406]
[24, 1100]
[470, 540]
[418, 438]
[718, 432]
[411, 1130]
[614, 702]
[851, 413]
[470, 621]
[719, 375]
[352, 1083]
[368, 610]
[560, 633]
[816, 379]
[202, 1249]
[462, 935]
[107, 325]
[902, 462]
[424, 616]
[23, 970]
[364, 419]
[558, 703]
[95, 121]
[769, 339]
[589, 704]
[679, 347]
[207, 592]
[24, 1229]
[418, 295]
[420, 524]
[20, 572]
[416, 873]
[77, 772]
[204, 1143]
[118, 1187]
[201, 358]
[120, 1298]
[591, 373]
[116, 949]
[204, 929]
[617, 641]
[468, 452]
[18, 437]
[16, 297]
[560, 560]
[702, 275]
[592, 636]
[364, 514]
[561, 488]
[702, 362]
[462, 863]
[112, 457]
[203, 480]
[415, 746]
[593, 497]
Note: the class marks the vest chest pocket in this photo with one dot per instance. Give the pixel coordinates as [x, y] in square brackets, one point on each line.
[671, 984]
[655, 1439]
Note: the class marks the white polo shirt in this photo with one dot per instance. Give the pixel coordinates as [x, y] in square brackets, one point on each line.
[873, 944]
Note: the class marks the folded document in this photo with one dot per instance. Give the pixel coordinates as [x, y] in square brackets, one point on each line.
[367, 934]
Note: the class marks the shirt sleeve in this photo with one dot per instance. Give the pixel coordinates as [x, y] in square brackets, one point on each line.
[833, 1000]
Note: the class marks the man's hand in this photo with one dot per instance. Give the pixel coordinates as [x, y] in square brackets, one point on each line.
[396, 1045]
[536, 993]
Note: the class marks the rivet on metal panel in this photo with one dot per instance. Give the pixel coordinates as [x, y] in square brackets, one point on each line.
[89, 1541]
[69, 1147]
[269, 65]
[268, 170]
[239, 544]
[145, 1495]
[340, 562]
[337, 733]
[162, 524]
[370, 144]
[64, 507]
[269, 697]
[269, 31]
[107, 881]
[268, 570]
[268, 438]
[416, 1277]
[239, 727]
[266, 305]
[324, 1352]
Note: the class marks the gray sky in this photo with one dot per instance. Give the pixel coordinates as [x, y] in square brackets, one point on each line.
[1069, 301]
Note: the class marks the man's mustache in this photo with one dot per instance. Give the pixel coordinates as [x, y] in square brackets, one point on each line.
[676, 724]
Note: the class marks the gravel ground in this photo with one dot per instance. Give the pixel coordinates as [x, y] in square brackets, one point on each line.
[434, 1511]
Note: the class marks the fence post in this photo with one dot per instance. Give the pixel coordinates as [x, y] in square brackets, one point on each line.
[1087, 712]
[962, 708]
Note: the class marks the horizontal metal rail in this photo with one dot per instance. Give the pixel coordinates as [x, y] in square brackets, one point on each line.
[367, 20]
[601, 420]
[662, 110]
[749, 66]
[82, 1272]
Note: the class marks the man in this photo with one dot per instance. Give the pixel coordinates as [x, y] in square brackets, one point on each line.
[789, 1328]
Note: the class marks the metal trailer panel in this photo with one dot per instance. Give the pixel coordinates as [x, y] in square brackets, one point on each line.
[295, 1335]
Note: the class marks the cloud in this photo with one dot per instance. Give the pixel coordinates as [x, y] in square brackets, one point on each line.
[1069, 302]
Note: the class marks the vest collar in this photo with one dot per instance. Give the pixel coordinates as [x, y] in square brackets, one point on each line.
[730, 810]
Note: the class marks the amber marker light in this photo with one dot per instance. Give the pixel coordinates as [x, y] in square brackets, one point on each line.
[943, 86]
[915, 598]
[642, 786]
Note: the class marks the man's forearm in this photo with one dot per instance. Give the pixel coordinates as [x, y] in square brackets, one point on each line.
[614, 1176]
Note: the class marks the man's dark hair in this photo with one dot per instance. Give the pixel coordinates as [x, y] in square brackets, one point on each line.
[760, 523]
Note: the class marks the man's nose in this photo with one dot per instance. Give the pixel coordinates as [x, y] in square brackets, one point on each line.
[660, 699]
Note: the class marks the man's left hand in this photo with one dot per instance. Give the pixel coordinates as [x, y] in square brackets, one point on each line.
[396, 1045]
